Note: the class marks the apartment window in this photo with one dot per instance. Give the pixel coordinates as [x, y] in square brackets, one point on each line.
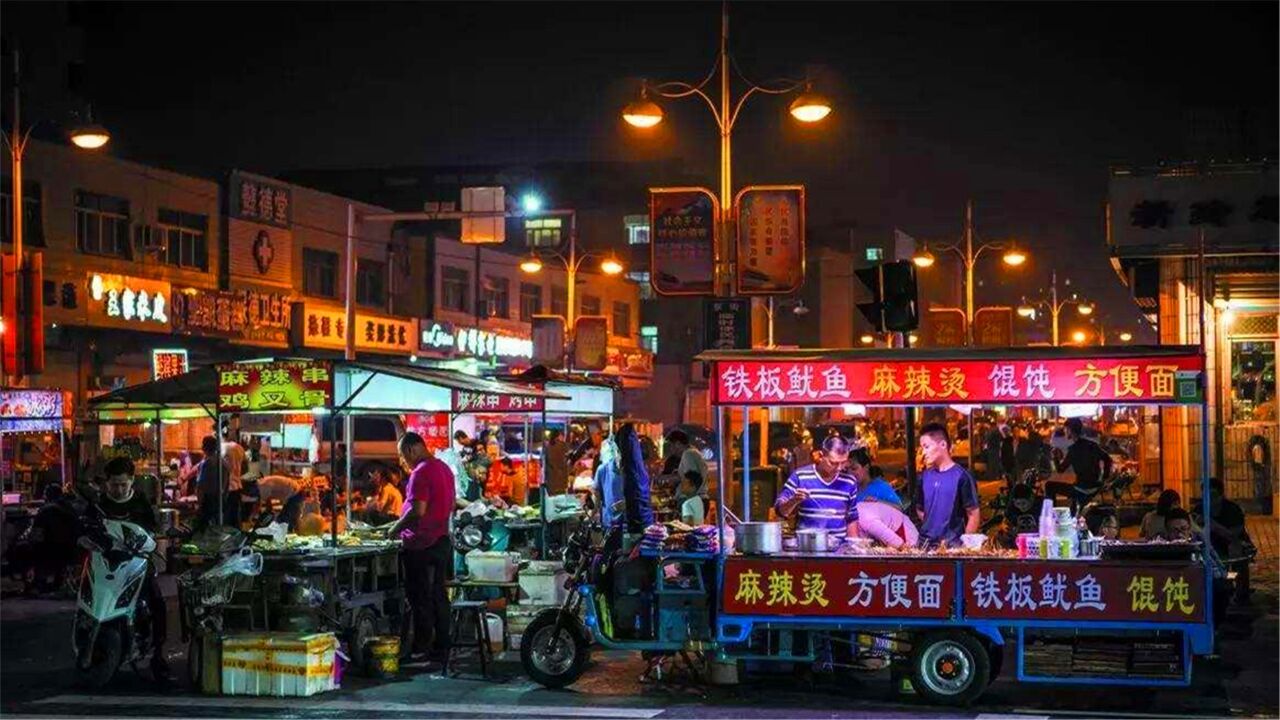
[530, 301]
[542, 232]
[637, 230]
[102, 225]
[186, 238]
[590, 305]
[371, 283]
[1253, 380]
[455, 289]
[649, 338]
[559, 301]
[622, 319]
[319, 273]
[32, 216]
[497, 296]
[875, 254]
[641, 279]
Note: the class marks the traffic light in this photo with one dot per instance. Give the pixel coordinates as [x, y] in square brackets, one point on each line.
[894, 306]
[899, 296]
[873, 311]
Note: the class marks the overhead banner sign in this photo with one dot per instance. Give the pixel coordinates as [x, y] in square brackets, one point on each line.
[128, 303]
[590, 342]
[842, 588]
[168, 362]
[726, 324]
[1084, 591]
[468, 401]
[548, 341]
[258, 318]
[683, 231]
[322, 327]
[275, 386]
[770, 229]
[993, 327]
[438, 336]
[1153, 380]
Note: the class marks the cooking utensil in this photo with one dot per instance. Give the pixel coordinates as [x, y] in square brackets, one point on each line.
[813, 541]
[759, 538]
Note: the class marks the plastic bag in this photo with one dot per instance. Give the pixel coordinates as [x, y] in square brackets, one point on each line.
[246, 562]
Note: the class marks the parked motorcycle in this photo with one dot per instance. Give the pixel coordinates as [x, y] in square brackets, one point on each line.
[113, 619]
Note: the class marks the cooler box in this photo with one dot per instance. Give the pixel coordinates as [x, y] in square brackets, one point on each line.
[491, 566]
[279, 664]
[542, 583]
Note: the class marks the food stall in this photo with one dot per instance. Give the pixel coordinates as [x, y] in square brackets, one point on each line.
[32, 440]
[1096, 620]
[1064, 608]
[356, 573]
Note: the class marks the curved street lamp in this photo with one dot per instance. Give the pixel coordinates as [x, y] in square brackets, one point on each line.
[1054, 306]
[1012, 256]
[609, 265]
[808, 107]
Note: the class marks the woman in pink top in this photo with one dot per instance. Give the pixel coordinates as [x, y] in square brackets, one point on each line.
[880, 515]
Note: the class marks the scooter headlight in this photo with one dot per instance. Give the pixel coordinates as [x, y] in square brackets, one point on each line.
[126, 597]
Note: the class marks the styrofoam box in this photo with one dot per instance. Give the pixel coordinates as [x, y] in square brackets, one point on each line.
[542, 583]
[491, 566]
[280, 664]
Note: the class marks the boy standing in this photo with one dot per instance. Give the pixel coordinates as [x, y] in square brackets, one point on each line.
[947, 497]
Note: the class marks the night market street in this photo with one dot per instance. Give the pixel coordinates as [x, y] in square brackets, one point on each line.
[639, 360]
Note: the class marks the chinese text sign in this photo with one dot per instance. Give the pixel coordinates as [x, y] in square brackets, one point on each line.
[916, 588]
[770, 240]
[683, 225]
[1084, 591]
[282, 385]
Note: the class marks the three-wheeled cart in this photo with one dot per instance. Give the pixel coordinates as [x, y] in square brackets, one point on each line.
[947, 620]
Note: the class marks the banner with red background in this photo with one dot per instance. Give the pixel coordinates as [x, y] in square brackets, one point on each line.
[278, 385]
[907, 381]
[1020, 590]
[839, 587]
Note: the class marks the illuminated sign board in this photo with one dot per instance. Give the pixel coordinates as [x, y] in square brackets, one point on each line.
[168, 362]
[129, 302]
[283, 386]
[444, 337]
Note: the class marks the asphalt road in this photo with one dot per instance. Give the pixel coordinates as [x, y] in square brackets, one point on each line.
[36, 681]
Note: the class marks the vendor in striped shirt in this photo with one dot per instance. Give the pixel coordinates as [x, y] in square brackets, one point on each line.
[822, 496]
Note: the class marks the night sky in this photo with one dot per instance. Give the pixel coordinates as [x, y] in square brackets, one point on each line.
[1020, 106]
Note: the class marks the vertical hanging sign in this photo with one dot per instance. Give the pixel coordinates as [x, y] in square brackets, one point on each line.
[770, 239]
[683, 231]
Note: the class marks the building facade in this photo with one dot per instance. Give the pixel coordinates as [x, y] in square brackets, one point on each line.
[146, 268]
[1198, 246]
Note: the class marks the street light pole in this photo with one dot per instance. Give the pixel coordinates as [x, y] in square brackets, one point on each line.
[968, 273]
[571, 271]
[1053, 290]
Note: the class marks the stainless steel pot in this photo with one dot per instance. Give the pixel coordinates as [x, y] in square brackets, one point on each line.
[759, 538]
[813, 541]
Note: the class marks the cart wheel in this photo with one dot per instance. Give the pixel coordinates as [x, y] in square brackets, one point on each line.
[363, 627]
[950, 667]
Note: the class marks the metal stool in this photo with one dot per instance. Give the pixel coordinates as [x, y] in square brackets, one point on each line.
[460, 612]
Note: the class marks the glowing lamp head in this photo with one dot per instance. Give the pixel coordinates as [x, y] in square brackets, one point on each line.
[866, 339]
[531, 202]
[531, 264]
[924, 258]
[643, 113]
[1126, 336]
[1014, 257]
[1078, 337]
[1026, 311]
[90, 137]
[610, 266]
[810, 107]
[1085, 308]
[913, 339]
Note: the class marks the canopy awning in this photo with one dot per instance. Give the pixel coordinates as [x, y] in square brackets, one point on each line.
[358, 387]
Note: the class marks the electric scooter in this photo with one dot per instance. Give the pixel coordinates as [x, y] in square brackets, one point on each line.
[113, 619]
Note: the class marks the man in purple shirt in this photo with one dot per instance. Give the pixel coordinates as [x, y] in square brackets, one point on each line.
[428, 554]
[946, 499]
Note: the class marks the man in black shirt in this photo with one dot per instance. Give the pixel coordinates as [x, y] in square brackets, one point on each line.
[1227, 534]
[120, 502]
[1088, 461]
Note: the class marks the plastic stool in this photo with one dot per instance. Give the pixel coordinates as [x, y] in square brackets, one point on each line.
[462, 611]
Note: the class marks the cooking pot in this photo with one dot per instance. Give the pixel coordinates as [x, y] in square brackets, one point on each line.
[813, 541]
[759, 538]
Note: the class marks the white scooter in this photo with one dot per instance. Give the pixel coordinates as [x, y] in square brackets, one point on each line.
[113, 620]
